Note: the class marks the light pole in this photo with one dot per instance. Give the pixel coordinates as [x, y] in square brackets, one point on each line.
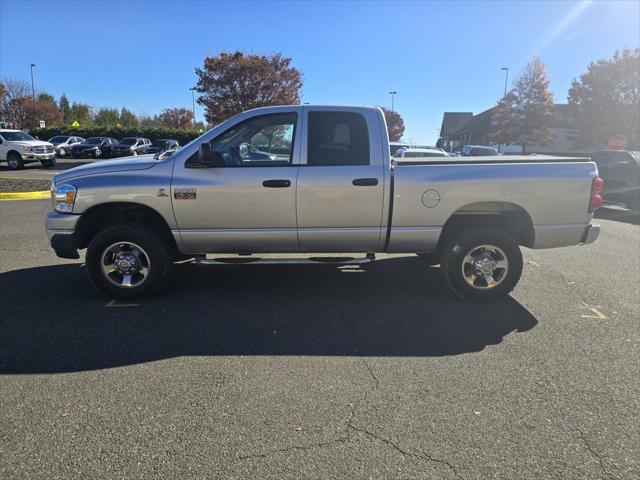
[193, 101]
[393, 94]
[506, 78]
[33, 95]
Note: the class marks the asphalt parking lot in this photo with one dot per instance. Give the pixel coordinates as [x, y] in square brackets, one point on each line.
[320, 372]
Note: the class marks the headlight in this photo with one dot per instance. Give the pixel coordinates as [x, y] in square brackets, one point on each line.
[62, 197]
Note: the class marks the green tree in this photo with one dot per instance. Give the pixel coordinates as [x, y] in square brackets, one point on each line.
[107, 117]
[81, 113]
[65, 108]
[233, 82]
[606, 100]
[128, 118]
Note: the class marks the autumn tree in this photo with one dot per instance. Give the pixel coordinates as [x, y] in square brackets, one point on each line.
[504, 131]
[522, 116]
[176, 118]
[606, 100]
[233, 82]
[12, 103]
[65, 108]
[395, 124]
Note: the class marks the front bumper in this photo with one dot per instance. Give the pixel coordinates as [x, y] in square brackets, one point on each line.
[120, 153]
[83, 153]
[36, 157]
[590, 234]
[60, 229]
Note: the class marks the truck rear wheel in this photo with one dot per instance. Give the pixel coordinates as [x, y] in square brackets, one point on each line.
[481, 265]
[128, 261]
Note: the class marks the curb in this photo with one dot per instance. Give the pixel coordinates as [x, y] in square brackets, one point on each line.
[25, 195]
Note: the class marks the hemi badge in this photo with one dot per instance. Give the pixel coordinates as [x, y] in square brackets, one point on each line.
[184, 194]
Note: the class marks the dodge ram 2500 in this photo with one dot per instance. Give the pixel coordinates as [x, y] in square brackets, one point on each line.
[317, 179]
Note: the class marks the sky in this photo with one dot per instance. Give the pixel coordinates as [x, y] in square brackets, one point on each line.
[438, 56]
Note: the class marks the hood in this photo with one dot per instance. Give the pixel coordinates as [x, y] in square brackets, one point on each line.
[84, 145]
[29, 143]
[108, 166]
[121, 147]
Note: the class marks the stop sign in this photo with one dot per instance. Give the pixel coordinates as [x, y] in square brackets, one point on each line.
[618, 142]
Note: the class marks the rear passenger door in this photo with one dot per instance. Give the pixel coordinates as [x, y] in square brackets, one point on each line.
[341, 180]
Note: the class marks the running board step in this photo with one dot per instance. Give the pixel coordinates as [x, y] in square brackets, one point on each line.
[286, 261]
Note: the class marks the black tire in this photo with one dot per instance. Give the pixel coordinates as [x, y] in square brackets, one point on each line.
[154, 247]
[429, 259]
[14, 160]
[48, 163]
[463, 243]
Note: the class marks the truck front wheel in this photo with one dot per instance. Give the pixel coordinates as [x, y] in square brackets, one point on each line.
[481, 264]
[15, 162]
[128, 261]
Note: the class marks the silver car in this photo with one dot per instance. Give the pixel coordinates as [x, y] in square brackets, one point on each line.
[63, 144]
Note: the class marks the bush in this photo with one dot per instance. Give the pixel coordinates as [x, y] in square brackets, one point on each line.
[152, 133]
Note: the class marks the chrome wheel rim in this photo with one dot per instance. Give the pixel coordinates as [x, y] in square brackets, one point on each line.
[62, 152]
[13, 163]
[485, 267]
[125, 264]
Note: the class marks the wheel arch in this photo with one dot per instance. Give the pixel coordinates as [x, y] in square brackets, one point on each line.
[507, 217]
[105, 215]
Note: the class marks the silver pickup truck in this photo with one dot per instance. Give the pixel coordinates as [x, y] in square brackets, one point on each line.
[317, 179]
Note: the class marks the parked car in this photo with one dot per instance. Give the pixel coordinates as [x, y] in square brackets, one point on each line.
[479, 151]
[94, 147]
[63, 144]
[395, 146]
[18, 148]
[620, 171]
[221, 194]
[162, 145]
[419, 153]
[130, 146]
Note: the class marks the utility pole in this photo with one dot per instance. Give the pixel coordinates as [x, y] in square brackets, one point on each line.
[393, 94]
[506, 78]
[193, 101]
[33, 96]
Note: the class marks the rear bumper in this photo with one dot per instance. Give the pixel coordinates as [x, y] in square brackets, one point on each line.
[590, 234]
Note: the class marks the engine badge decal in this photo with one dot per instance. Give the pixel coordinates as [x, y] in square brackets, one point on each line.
[184, 194]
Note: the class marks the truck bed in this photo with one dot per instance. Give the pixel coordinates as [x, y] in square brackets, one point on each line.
[485, 160]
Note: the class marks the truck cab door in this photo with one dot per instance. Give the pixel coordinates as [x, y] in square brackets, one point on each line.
[341, 182]
[245, 203]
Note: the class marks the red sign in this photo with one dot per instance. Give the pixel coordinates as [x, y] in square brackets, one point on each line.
[618, 142]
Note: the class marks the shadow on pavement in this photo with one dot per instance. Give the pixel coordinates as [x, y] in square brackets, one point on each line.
[53, 320]
[618, 214]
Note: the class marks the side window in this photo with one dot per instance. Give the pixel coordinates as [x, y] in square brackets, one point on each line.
[266, 140]
[337, 138]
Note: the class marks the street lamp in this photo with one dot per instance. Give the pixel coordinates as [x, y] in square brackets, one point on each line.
[33, 95]
[193, 101]
[393, 94]
[506, 77]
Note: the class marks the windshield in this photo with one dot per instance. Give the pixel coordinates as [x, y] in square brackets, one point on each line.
[16, 136]
[128, 141]
[93, 140]
[58, 139]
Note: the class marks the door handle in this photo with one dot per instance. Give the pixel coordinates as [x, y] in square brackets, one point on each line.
[365, 182]
[276, 183]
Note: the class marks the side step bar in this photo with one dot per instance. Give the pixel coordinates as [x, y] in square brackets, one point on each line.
[286, 261]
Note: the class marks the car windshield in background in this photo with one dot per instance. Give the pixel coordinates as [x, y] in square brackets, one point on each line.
[159, 143]
[93, 141]
[16, 136]
[58, 139]
[128, 141]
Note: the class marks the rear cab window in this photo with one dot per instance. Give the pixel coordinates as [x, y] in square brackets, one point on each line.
[337, 139]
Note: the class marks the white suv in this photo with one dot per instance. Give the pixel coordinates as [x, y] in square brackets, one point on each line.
[18, 148]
